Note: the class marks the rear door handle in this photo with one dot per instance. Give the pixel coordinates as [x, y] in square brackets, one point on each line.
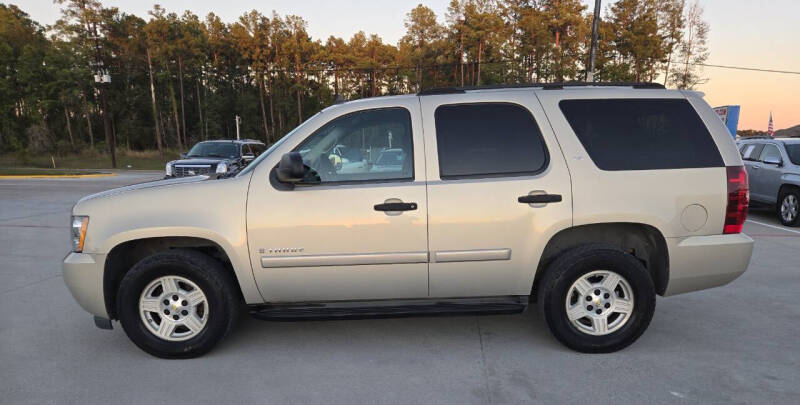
[540, 198]
[396, 206]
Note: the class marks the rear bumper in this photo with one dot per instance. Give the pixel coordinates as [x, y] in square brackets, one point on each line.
[700, 262]
[83, 274]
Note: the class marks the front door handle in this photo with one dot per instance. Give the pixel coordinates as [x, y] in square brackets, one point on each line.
[540, 198]
[396, 206]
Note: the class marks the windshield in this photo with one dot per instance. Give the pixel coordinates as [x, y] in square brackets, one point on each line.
[214, 149]
[269, 150]
[793, 150]
[390, 158]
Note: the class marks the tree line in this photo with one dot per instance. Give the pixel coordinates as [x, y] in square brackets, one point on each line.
[177, 79]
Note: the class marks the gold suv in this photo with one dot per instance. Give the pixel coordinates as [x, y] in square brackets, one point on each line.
[586, 200]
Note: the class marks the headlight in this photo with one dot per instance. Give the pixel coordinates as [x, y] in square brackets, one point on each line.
[222, 168]
[79, 224]
[169, 169]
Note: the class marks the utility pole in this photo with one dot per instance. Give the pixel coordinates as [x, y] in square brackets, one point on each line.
[593, 48]
[101, 79]
[238, 120]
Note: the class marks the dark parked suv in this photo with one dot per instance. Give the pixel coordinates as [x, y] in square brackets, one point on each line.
[220, 157]
[773, 166]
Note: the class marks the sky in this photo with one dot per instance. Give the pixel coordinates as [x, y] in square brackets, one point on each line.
[748, 33]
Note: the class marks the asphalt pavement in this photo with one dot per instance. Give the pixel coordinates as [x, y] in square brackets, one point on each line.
[734, 344]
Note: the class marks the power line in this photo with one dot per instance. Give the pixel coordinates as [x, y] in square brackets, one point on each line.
[747, 68]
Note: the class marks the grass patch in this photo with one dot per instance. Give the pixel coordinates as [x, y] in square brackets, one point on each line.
[44, 172]
[131, 160]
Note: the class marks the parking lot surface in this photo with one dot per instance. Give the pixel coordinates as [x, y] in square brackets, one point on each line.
[736, 344]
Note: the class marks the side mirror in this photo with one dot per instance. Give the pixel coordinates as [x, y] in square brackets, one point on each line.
[291, 168]
[248, 157]
[183, 155]
[773, 160]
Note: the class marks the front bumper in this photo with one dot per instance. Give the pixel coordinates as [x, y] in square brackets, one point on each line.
[83, 274]
[700, 262]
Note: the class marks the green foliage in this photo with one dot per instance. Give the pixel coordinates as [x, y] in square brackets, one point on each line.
[268, 70]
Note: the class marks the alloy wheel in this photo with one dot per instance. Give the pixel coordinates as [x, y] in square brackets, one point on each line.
[789, 208]
[173, 308]
[599, 302]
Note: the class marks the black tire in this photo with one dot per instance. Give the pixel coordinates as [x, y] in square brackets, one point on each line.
[214, 280]
[783, 195]
[576, 262]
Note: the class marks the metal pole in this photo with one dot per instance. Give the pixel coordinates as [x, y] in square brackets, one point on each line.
[237, 127]
[102, 79]
[593, 48]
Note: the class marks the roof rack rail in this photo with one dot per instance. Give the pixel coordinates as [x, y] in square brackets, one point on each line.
[544, 86]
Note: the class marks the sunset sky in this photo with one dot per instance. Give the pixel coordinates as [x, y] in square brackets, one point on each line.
[758, 34]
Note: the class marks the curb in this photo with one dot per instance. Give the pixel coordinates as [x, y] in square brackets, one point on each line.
[55, 176]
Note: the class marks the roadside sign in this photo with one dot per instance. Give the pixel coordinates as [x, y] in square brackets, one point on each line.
[729, 115]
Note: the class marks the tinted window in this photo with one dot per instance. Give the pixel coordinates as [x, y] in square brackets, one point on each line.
[753, 151]
[641, 134]
[257, 149]
[362, 146]
[770, 151]
[793, 150]
[478, 140]
[214, 149]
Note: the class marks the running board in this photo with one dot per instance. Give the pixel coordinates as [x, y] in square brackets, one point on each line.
[389, 308]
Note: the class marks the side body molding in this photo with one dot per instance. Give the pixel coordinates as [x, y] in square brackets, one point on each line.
[384, 258]
[344, 259]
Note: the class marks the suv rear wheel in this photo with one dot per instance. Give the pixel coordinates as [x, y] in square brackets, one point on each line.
[789, 207]
[597, 299]
[177, 304]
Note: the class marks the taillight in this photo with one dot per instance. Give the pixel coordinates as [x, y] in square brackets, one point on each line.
[738, 198]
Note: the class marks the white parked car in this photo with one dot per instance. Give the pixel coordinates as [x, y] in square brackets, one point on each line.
[587, 200]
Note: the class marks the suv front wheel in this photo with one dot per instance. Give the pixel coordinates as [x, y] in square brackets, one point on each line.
[789, 207]
[177, 304]
[596, 299]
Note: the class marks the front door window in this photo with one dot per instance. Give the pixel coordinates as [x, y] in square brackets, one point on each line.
[370, 145]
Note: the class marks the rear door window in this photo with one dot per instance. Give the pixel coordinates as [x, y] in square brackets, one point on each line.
[770, 151]
[488, 140]
[753, 151]
[642, 134]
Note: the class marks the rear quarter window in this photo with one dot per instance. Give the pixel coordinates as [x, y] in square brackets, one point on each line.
[793, 150]
[642, 134]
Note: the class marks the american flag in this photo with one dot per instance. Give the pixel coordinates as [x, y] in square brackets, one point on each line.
[770, 129]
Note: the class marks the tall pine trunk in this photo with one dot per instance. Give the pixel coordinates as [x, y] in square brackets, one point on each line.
[480, 54]
[260, 83]
[155, 108]
[271, 105]
[335, 80]
[299, 91]
[88, 121]
[69, 128]
[183, 110]
[199, 108]
[175, 112]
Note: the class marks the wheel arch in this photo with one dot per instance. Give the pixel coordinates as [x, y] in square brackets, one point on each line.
[126, 254]
[787, 186]
[645, 242]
